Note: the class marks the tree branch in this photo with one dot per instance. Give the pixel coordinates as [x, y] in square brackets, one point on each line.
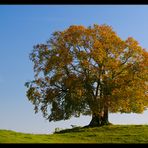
[64, 90]
[97, 88]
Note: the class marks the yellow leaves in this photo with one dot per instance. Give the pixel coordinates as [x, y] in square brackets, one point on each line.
[133, 48]
[131, 96]
[112, 65]
[81, 55]
[75, 28]
[98, 54]
[131, 42]
[145, 58]
[79, 92]
[97, 44]
[74, 33]
[85, 63]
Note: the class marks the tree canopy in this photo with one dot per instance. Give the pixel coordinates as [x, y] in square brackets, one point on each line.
[88, 71]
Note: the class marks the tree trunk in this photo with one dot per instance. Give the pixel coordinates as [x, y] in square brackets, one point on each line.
[96, 120]
[105, 116]
[100, 119]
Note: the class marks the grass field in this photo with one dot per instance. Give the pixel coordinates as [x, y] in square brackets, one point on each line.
[105, 134]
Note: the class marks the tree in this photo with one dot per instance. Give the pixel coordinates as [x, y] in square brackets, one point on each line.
[88, 71]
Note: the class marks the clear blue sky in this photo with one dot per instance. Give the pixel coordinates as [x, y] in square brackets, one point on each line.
[23, 26]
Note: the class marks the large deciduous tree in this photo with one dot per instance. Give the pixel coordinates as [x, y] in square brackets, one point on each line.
[88, 71]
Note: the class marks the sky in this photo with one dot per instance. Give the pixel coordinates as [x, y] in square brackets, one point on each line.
[23, 26]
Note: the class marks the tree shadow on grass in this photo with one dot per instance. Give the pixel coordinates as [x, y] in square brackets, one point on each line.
[75, 129]
[80, 129]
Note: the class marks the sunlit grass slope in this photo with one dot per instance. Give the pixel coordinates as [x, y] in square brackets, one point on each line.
[105, 134]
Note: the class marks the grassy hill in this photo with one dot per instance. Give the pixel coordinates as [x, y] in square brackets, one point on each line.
[105, 134]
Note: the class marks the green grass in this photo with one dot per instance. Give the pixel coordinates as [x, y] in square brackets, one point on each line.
[105, 134]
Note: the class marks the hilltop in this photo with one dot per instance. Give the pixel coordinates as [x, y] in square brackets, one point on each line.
[105, 134]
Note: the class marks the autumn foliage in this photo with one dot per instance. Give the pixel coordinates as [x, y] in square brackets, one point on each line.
[88, 71]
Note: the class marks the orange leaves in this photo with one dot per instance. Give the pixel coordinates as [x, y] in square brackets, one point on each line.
[98, 55]
[74, 28]
[82, 55]
[85, 64]
[73, 34]
[133, 47]
[98, 52]
[145, 58]
[97, 44]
